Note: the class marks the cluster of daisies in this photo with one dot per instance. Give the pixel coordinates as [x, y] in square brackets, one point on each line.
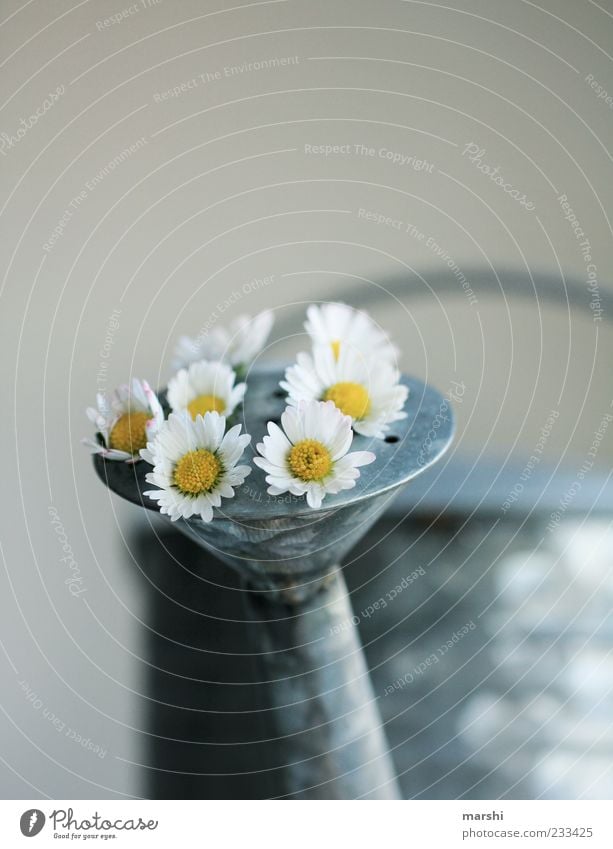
[347, 383]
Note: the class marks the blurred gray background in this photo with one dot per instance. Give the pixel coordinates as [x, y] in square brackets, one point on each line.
[268, 155]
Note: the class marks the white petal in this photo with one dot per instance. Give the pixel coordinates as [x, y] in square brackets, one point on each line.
[146, 454]
[314, 496]
[292, 424]
[206, 514]
[358, 458]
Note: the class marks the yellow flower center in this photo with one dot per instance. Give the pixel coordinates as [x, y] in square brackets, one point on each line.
[336, 348]
[197, 472]
[351, 399]
[309, 460]
[206, 404]
[129, 434]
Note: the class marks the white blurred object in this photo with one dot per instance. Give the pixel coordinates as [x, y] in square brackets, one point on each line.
[547, 716]
[587, 548]
[568, 775]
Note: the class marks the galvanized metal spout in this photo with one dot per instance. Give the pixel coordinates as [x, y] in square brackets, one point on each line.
[288, 555]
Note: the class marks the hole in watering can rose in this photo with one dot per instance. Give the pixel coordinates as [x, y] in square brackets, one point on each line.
[391, 438]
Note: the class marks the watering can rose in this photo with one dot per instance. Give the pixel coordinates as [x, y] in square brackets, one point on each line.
[347, 384]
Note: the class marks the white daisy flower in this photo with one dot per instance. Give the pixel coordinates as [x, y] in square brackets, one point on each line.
[368, 391]
[205, 387]
[238, 345]
[309, 456]
[194, 464]
[339, 325]
[126, 422]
